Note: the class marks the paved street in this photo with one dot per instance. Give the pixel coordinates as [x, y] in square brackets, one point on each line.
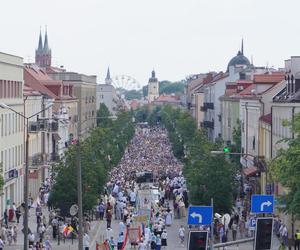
[32, 225]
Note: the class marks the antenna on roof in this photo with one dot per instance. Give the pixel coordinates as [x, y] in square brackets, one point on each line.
[242, 47]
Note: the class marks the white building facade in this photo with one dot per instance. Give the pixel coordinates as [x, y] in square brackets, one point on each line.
[12, 131]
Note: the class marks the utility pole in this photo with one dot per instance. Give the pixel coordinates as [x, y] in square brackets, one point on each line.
[26, 187]
[79, 190]
[212, 225]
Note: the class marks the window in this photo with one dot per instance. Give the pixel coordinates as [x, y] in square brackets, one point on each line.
[253, 143]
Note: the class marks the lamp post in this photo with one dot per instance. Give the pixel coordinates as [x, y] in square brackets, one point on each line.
[25, 223]
[79, 180]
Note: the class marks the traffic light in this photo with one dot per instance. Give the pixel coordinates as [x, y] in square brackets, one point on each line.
[197, 240]
[226, 150]
[263, 234]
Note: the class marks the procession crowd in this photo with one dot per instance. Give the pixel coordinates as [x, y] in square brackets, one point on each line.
[149, 152]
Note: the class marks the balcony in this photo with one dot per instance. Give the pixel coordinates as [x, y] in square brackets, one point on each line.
[203, 108]
[54, 157]
[35, 160]
[208, 124]
[43, 125]
[33, 127]
[11, 174]
[208, 105]
[53, 126]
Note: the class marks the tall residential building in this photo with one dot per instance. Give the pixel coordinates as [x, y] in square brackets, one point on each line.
[84, 89]
[153, 87]
[12, 130]
[63, 122]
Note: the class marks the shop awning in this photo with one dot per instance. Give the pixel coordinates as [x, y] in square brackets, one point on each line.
[250, 171]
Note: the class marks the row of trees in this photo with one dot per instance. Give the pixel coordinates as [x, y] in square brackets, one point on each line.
[285, 168]
[100, 152]
[207, 176]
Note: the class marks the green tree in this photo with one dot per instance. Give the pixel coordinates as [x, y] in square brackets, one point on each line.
[103, 116]
[286, 168]
[237, 144]
[101, 151]
[207, 176]
[133, 94]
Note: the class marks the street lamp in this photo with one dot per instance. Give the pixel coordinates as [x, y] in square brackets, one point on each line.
[4, 106]
[79, 180]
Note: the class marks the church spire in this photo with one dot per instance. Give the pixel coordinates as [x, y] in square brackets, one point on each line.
[46, 47]
[107, 78]
[40, 48]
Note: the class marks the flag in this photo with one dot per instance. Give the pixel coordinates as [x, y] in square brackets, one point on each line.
[67, 230]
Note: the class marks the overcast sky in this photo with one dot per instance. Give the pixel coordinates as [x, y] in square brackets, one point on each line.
[175, 37]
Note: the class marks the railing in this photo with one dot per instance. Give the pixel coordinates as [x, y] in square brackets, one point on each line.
[232, 243]
[208, 124]
[208, 105]
[36, 159]
[53, 126]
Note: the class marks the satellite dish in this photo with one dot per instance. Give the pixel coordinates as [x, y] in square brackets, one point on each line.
[73, 210]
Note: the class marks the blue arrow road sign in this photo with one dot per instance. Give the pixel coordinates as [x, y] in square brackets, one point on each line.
[262, 204]
[200, 215]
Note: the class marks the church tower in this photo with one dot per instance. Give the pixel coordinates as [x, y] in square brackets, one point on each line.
[43, 53]
[153, 87]
[108, 80]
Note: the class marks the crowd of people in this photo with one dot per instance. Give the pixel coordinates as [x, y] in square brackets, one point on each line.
[149, 152]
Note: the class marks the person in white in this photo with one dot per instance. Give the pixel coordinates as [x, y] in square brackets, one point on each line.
[181, 234]
[142, 245]
[109, 233]
[86, 241]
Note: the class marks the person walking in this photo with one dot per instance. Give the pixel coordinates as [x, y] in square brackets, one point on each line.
[181, 234]
[48, 245]
[164, 237]
[18, 214]
[1, 244]
[5, 218]
[101, 210]
[120, 240]
[86, 241]
[234, 230]
[15, 234]
[297, 240]
[158, 242]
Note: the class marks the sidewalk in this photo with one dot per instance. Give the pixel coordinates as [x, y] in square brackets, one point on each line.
[67, 245]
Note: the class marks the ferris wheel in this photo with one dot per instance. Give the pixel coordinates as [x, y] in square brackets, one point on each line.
[125, 82]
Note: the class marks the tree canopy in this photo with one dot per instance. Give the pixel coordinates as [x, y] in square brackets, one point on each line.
[101, 151]
[168, 87]
[103, 116]
[286, 168]
[207, 176]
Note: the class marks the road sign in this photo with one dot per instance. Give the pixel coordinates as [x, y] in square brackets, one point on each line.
[252, 225]
[73, 210]
[262, 204]
[197, 240]
[200, 215]
[263, 235]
